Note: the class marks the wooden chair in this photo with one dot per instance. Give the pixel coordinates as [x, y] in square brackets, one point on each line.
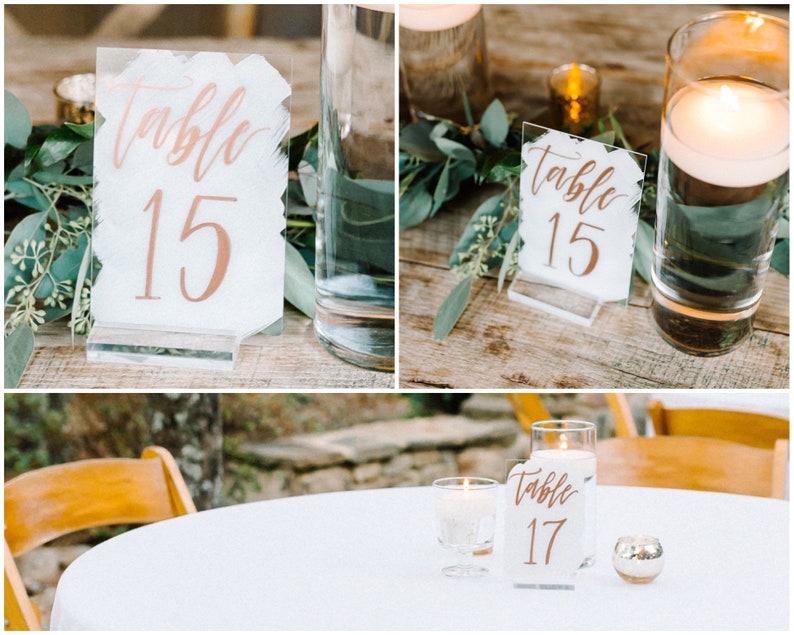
[750, 428]
[528, 408]
[44, 504]
[693, 463]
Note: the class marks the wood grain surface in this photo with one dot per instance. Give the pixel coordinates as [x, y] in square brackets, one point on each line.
[499, 344]
[292, 360]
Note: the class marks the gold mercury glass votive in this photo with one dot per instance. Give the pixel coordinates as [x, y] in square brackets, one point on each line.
[574, 93]
[638, 559]
[75, 98]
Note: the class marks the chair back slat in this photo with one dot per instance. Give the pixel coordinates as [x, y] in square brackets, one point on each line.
[51, 502]
[751, 428]
[54, 501]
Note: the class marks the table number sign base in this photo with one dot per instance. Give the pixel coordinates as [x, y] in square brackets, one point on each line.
[210, 351]
[560, 302]
[544, 587]
[579, 206]
[189, 219]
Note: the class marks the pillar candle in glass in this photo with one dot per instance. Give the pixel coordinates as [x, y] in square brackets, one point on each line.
[355, 207]
[575, 442]
[443, 56]
[75, 98]
[465, 510]
[574, 92]
[723, 177]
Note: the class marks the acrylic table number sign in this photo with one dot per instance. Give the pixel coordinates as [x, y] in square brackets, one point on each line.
[189, 219]
[579, 212]
[544, 523]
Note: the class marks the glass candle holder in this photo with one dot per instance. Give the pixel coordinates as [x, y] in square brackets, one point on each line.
[573, 441]
[355, 257]
[723, 177]
[465, 509]
[574, 91]
[443, 57]
[75, 99]
[638, 559]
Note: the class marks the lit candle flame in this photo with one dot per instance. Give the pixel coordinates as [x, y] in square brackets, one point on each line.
[728, 98]
[754, 22]
[574, 87]
[574, 90]
[563, 442]
[465, 484]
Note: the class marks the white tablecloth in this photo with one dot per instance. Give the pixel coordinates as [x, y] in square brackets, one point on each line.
[369, 560]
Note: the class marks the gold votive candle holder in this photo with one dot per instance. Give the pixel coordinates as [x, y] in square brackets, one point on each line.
[75, 98]
[574, 93]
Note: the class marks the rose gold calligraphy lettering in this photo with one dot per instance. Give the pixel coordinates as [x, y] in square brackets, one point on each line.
[546, 491]
[182, 133]
[573, 185]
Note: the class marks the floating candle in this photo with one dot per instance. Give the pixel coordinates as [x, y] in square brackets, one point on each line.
[585, 460]
[465, 502]
[727, 132]
[436, 17]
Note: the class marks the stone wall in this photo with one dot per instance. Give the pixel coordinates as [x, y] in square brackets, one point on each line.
[404, 452]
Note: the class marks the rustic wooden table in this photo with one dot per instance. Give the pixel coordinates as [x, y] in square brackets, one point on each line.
[499, 344]
[293, 360]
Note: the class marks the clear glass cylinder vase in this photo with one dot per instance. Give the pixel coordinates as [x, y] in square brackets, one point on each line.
[444, 58]
[355, 256]
[723, 177]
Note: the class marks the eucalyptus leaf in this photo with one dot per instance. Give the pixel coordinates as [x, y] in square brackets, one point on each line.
[17, 351]
[298, 146]
[415, 207]
[455, 150]
[508, 259]
[17, 122]
[79, 283]
[29, 228]
[64, 179]
[307, 177]
[65, 267]
[363, 216]
[495, 124]
[85, 130]
[415, 140]
[440, 192]
[492, 206]
[58, 145]
[607, 138]
[643, 250]
[452, 308]
[299, 282]
[83, 157]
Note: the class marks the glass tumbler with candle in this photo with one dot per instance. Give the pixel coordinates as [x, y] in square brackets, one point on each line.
[574, 91]
[723, 177]
[443, 57]
[573, 441]
[465, 510]
[355, 265]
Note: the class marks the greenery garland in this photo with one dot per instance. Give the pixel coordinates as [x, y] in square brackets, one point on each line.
[437, 156]
[49, 182]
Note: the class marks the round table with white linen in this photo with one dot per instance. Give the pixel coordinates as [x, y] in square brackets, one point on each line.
[369, 560]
